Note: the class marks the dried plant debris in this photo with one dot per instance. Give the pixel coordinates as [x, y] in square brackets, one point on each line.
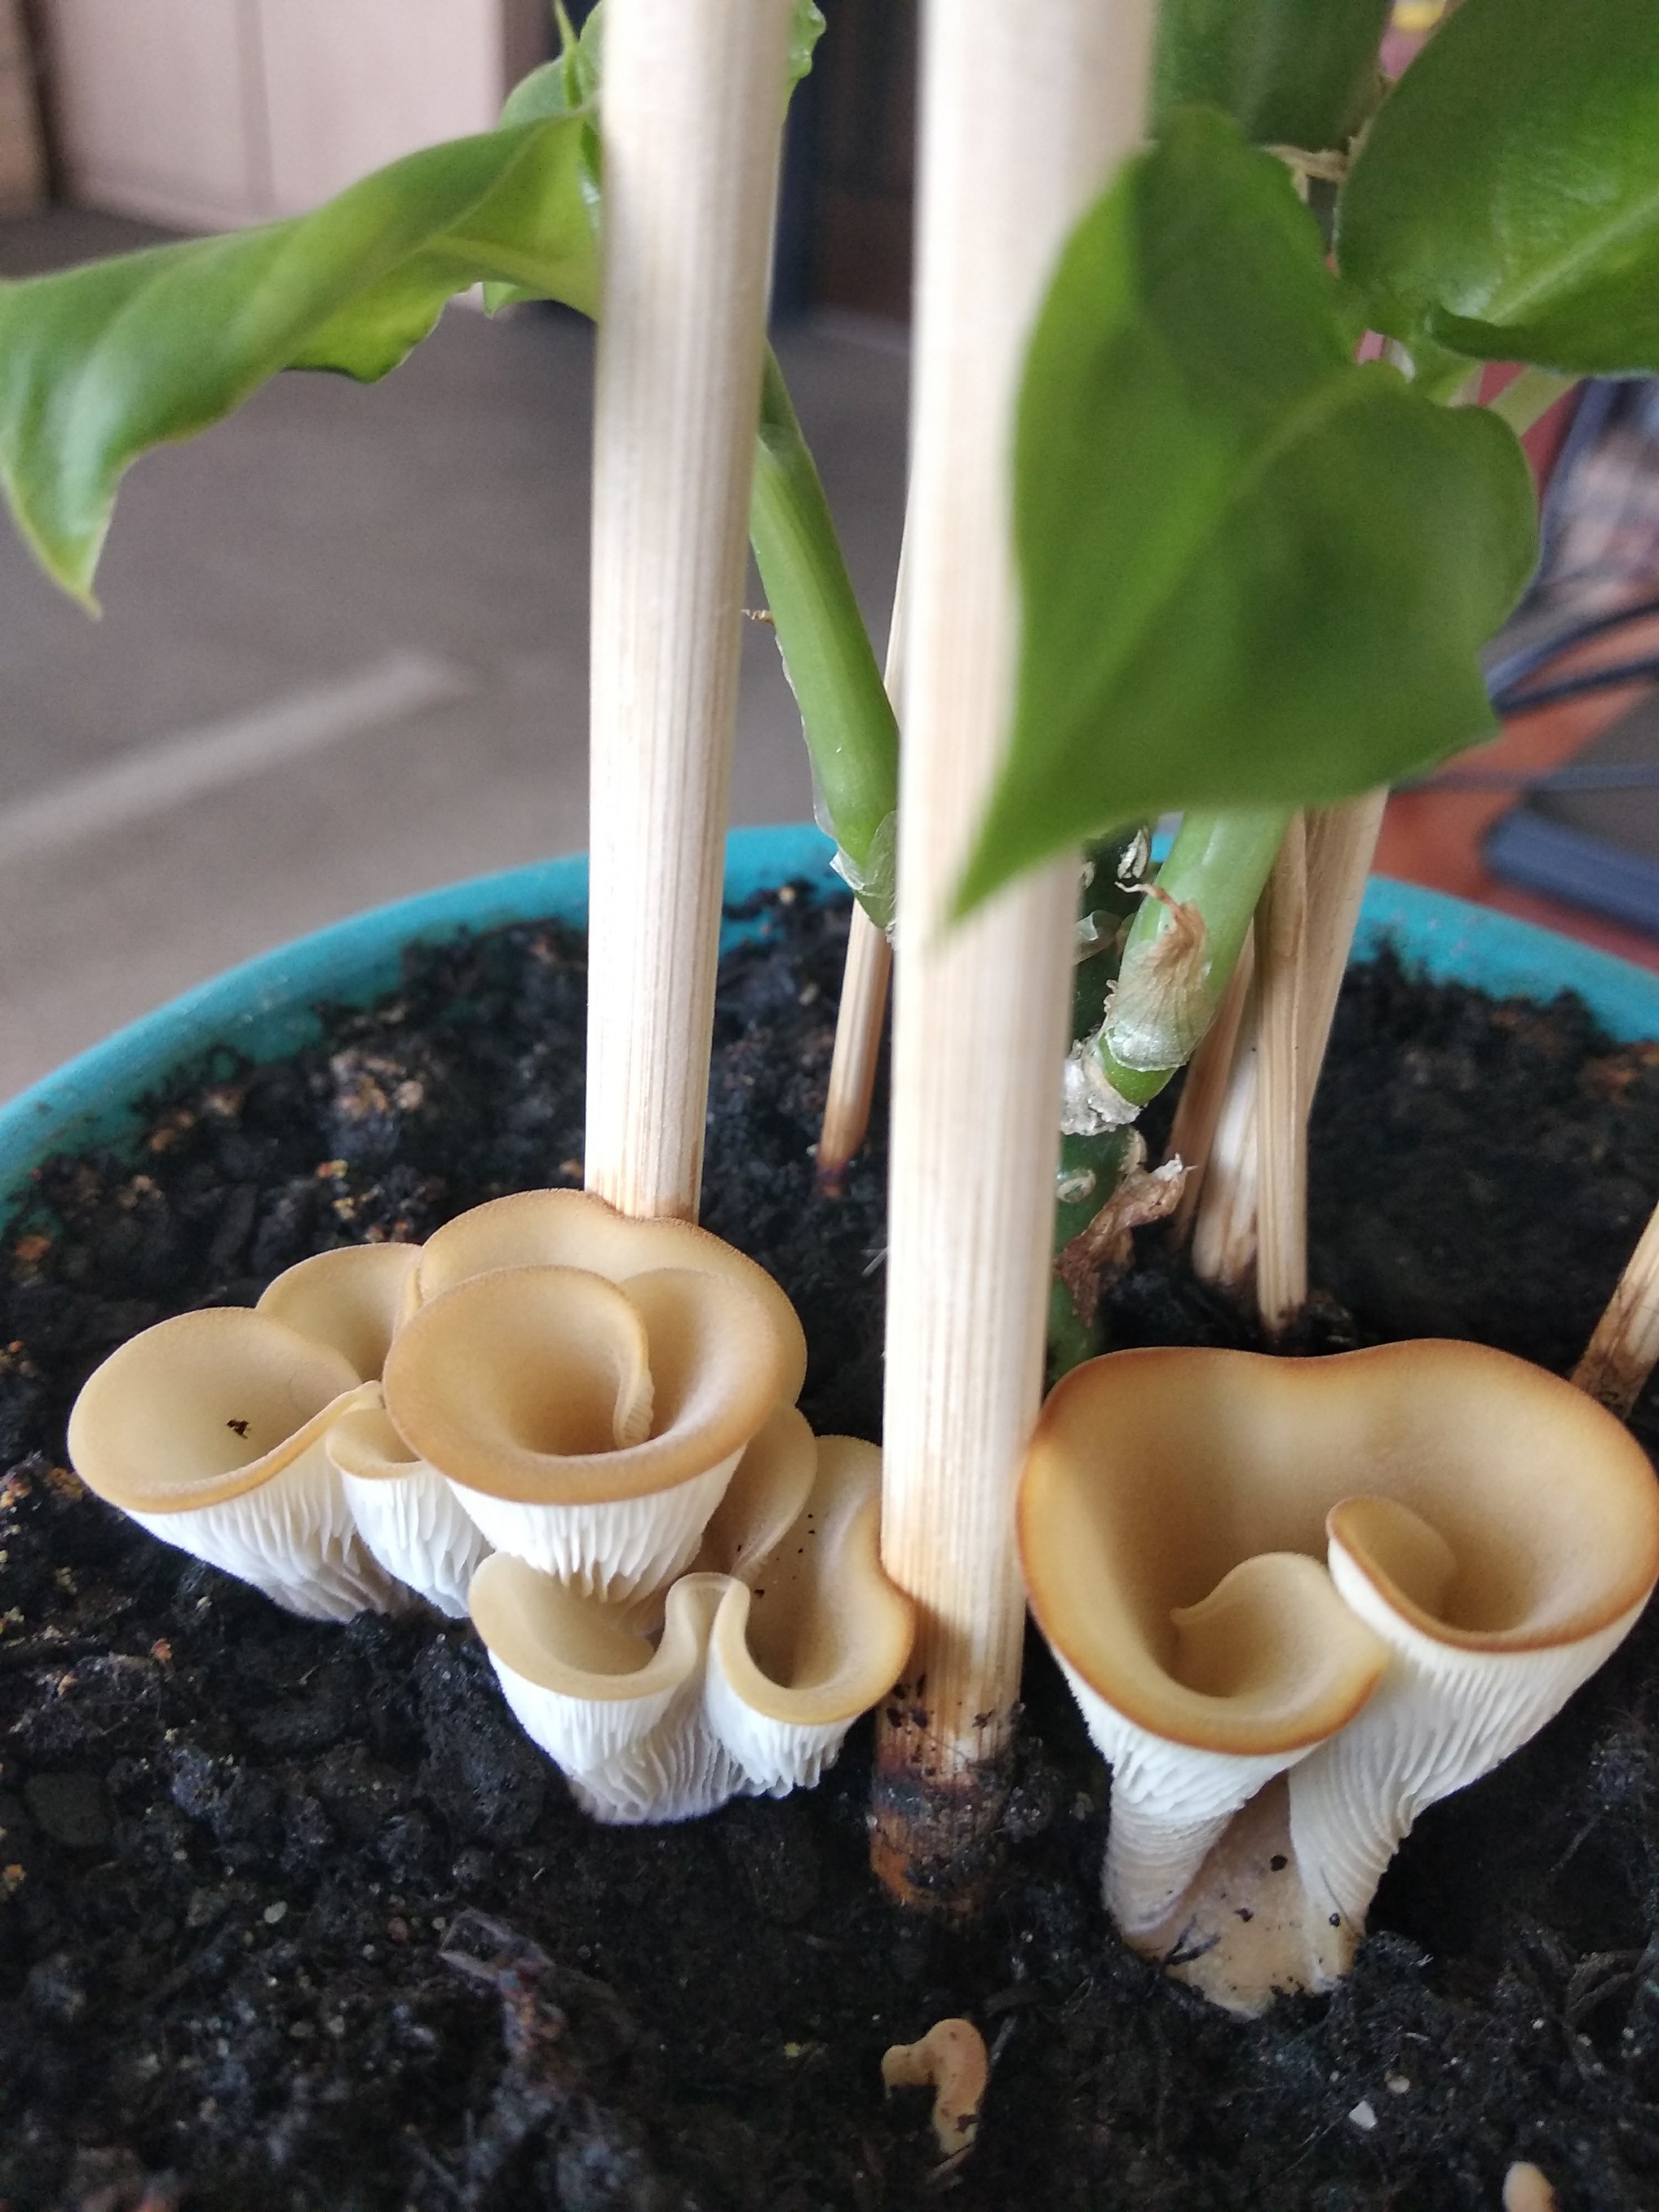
[243, 1854]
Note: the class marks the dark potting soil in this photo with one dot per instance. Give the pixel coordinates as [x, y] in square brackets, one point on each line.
[293, 1916]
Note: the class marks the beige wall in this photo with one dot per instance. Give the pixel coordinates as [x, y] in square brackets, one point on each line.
[212, 112]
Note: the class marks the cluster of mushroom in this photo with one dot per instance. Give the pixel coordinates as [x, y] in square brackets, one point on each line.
[1299, 1601]
[577, 1427]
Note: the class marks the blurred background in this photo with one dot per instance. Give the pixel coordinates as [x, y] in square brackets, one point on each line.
[343, 654]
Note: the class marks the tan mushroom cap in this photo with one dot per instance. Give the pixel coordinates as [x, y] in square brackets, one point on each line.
[350, 1300]
[1174, 1503]
[554, 1385]
[575, 1228]
[205, 1407]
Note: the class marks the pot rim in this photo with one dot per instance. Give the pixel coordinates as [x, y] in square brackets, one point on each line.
[265, 1007]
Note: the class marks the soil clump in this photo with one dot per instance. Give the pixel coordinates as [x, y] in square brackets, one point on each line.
[291, 1915]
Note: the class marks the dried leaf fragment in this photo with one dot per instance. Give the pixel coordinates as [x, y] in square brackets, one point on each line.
[952, 2060]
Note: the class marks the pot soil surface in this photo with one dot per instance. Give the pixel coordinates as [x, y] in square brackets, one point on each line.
[294, 1917]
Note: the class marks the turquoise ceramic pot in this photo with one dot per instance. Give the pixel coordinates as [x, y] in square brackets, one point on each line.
[263, 1009]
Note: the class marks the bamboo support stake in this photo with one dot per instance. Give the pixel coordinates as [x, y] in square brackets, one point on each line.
[1025, 111]
[1204, 1091]
[1341, 842]
[1281, 1120]
[1341, 846]
[693, 112]
[1224, 1235]
[1624, 1348]
[859, 1020]
[865, 978]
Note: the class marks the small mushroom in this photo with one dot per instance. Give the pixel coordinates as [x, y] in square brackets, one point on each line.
[589, 1427]
[1299, 1601]
[763, 1660]
[406, 1514]
[951, 2061]
[1527, 2189]
[209, 1430]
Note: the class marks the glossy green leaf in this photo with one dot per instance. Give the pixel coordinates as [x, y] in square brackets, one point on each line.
[98, 363]
[1289, 72]
[1506, 202]
[1252, 573]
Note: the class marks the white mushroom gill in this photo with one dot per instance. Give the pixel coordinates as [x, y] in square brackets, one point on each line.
[763, 1659]
[406, 1514]
[1299, 1601]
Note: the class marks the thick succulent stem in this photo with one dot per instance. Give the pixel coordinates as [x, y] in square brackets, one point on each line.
[1184, 945]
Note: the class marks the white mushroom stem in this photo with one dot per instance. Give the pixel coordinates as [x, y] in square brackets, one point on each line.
[1025, 111]
[693, 111]
[1622, 1353]
[951, 2061]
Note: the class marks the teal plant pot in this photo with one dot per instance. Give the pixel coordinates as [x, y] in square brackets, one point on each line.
[267, 1006]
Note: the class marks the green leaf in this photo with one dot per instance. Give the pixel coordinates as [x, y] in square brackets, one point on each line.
[1289, 72]
[1252, 573]
[99, 363]
[1506, 202]
[805, 29]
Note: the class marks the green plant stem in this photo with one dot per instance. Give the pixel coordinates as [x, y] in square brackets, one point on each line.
[1218, 862]
[1529, 397]
[851, 732]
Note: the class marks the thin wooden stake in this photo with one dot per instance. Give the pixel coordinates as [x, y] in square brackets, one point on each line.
[859, 1021]
[1341, 846]
[1624, 1348]
[1341, 842]
[862, 1010]
[694, 99]
[1203, 1092]
[1281, 1120]
[1224, 1235]
[1024, 112]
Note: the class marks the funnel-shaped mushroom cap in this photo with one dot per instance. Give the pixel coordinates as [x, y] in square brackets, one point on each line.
[574, 1229]
[589, 1427]
[207, 1428]
[406, 1513]
[748, 1689]
[1490, 1532]
[349, 1300]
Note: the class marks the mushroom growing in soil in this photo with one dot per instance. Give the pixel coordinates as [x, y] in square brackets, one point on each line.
[1300, 1601]
[211, 1430]
[746, 1678]
[587, 1383]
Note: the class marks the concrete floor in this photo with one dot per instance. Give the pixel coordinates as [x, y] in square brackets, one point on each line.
[343, 657]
